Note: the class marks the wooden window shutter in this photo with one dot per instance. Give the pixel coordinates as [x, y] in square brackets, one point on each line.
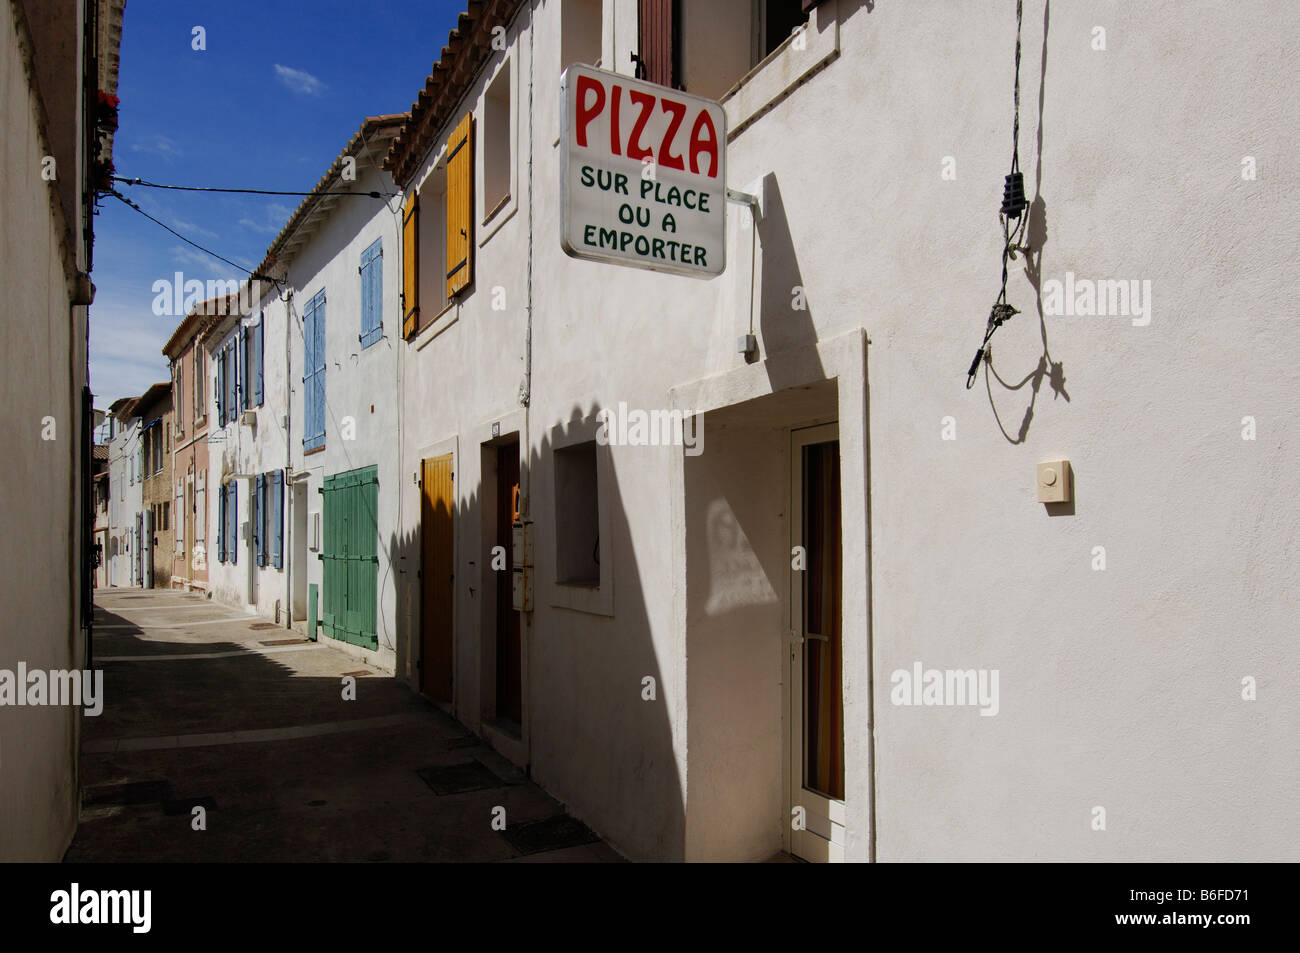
[460, 206]
[411, 265]
[657, 59]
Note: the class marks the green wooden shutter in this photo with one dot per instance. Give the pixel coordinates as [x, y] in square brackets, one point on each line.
[350, 556]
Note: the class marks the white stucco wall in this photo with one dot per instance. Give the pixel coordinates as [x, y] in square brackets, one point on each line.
[1119, 688]
[248, 450]
[42, 373]
[361, 411]
[126, 501]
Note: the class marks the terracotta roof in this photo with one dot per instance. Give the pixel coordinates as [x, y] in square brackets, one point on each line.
[468, 47]
[99, 451]
[375, 133]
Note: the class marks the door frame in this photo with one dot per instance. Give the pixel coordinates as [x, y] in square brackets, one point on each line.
[806, 844]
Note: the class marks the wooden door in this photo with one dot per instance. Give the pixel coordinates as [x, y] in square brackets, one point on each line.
[436, 578]
[509, 680]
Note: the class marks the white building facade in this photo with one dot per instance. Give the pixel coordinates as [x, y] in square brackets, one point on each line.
[126, 498]
[836, 620]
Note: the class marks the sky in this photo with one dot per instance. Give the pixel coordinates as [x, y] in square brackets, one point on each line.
[279, 90]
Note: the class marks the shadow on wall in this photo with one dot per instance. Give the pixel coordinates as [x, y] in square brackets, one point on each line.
[1035, 239]
[594, 743]
[784, 312]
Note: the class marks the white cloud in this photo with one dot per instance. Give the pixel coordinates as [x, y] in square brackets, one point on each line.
[299, 81]
[274, 218]
[189, 228]
[158, 145]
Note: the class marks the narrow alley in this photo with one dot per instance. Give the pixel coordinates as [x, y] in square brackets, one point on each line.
[207, 707]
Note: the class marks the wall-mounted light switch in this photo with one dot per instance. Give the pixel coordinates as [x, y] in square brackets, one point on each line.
[1055, 482]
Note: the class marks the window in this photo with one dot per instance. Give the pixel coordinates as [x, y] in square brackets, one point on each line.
[425, 253]
[243, 341]
[166, 516]
[683, 47]
[372, 293]
[201, 508]
[250, 363]
[581, 39]
[199, 368]
[275, 528]
[496, 143]
[177, 389]
[577, 500]
[230, 523]
[228, 366]
[257, 519]
[313, 340]
[180, 519]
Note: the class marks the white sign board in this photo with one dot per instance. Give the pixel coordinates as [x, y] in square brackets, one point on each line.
[642, 174]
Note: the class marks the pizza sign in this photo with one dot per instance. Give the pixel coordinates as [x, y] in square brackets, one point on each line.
[643, 174]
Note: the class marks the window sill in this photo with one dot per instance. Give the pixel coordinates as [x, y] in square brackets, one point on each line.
[782, 71]
[441, 322]
[505, 200]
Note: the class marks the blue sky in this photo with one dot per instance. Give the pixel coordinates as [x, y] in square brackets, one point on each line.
[280, 89]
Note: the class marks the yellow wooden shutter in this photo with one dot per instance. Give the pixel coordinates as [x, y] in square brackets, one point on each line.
[411, 265]
[460, 206]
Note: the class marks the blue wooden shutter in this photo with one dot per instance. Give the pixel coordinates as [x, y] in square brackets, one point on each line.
[320, 368]
[241, 339]
[257, 359]
[277, 537]
[314, 373]
[308, 369]
[221, 388]
[257, 516]
[221, 525]
[372, 291]
[232, 508]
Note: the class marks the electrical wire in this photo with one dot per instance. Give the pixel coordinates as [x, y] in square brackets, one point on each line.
[197, 188]
[129, 204]
[1001, 311]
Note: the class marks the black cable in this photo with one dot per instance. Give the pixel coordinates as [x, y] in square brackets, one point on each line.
[129, 204]
[1001, 311]
[197, 188]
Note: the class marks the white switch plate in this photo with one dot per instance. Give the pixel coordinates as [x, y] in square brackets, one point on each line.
[1055, 482]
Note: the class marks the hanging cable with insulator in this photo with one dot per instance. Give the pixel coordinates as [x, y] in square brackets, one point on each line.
[1012, 210]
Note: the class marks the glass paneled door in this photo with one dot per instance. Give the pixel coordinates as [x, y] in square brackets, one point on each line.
[816, 709]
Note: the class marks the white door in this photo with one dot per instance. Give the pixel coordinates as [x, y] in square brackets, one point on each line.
[816, 711]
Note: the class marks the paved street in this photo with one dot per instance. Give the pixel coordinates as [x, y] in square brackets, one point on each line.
[205, 706]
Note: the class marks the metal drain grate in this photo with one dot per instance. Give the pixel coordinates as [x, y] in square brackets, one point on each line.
[281, 641]
[459, 778]
[554, 833]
